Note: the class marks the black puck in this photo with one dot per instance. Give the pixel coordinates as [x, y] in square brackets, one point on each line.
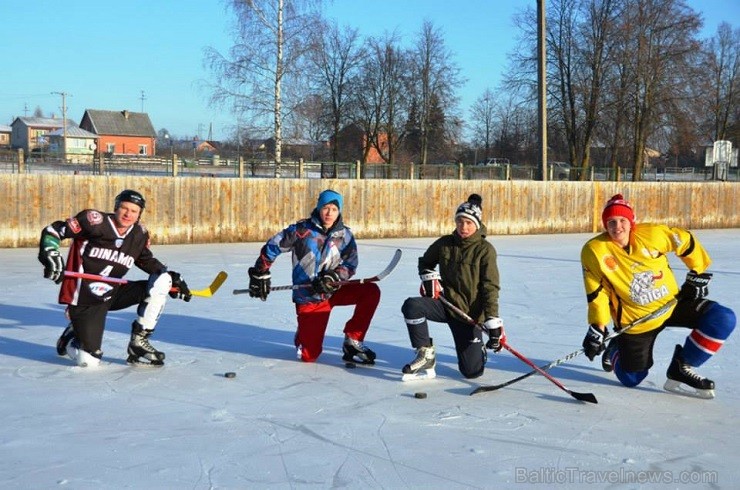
[230, 374]
[350, 365]
[420, 395]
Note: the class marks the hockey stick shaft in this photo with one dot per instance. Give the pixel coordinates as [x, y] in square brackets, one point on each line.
[660, 311]
[378, 277]
[585, 397]
[206, 292]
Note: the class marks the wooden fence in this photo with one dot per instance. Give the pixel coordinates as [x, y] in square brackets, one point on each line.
[210, 210]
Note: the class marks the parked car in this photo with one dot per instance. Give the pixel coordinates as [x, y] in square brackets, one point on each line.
[494, 162]
[560, 170]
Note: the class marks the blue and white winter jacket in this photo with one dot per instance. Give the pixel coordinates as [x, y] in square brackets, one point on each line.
[313, 250]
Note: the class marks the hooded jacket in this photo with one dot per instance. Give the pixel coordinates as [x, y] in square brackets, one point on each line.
[469, 271]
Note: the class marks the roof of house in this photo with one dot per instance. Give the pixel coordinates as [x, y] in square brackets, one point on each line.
[120, 123]
[73, 132]
[5, 129]
[40, 122]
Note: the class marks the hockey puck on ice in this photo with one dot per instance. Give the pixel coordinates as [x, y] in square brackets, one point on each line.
[350, 365]
[230, 374]
[420, 395]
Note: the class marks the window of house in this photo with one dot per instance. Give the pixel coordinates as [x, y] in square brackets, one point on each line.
[142, 149]
[110, 147]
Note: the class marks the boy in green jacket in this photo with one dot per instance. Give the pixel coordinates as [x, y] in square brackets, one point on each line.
[468, 277]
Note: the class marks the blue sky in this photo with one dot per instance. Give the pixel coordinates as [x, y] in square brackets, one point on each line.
[106, 53]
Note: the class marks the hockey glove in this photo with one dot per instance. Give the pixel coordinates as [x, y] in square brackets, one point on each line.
[50, 257]
[431, 285]
[325, 282]
[259, 283]
[183, 291]
[696, 286]
[593, 342]
[495, 328]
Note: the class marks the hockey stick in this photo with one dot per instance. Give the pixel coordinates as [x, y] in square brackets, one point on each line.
[206, 292]
[584, 397]
[557, 362]
[377, 277]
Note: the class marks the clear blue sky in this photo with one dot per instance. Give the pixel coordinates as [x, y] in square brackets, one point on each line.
[105, 53]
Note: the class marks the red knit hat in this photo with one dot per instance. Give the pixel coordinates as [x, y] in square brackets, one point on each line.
[618, 206]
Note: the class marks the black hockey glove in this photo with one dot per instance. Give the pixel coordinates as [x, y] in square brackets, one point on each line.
[497, 337]
[259, 283]
[183, 291]
[51, 258]
[431, 285]
[696, 286]
[325, 282]
[593, 342]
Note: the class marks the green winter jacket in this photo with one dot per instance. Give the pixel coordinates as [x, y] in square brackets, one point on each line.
[469, 272]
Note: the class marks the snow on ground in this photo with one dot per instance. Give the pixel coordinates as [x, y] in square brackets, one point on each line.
[283, 424]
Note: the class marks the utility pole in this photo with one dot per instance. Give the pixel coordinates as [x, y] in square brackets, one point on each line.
[143, 98]
[542, 86]
[64, 123]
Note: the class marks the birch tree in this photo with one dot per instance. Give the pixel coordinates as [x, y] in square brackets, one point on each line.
[270, 40]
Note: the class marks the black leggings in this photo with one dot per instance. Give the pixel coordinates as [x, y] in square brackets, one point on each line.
[88, 322]
[471, 351]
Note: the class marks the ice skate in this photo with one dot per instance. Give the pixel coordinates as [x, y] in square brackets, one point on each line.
[356, 352]
[298, 347]
[67, 336]
[140, 351]
[606, 357]
[682, 379]
[422, 367]
[84, 359]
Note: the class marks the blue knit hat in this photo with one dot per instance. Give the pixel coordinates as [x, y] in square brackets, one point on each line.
[329, 197]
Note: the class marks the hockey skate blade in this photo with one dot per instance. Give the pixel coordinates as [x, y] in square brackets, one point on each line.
[685, 390]
[420, 376]
[136, 363]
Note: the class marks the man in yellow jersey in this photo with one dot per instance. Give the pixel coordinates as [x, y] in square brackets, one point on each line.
[627, 276]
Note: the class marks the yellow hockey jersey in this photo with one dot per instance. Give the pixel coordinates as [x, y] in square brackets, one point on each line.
[625, 284]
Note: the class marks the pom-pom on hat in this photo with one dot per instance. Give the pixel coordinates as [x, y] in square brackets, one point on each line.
[618, 206]
[471, 209]
[329, 197]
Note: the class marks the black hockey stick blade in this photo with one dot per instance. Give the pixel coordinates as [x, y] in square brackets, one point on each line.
[584, 397]
[377, 277]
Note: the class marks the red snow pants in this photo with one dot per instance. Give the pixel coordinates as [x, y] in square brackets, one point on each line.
[313, 318]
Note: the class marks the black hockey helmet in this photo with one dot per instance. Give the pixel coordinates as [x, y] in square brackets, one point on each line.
[130, 196]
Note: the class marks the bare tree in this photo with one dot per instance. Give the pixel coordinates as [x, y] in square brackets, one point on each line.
[482, 115]
[436, 77]
[269, 42]
[381, 97]
[335, 58]
[723, 64]
[661, 41]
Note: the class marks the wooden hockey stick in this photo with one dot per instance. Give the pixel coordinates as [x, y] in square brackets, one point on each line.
[206, 292]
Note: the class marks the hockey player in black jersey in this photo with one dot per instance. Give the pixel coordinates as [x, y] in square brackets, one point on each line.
[108, 244]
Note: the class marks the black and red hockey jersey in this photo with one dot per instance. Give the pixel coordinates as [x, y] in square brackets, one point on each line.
[98, 248]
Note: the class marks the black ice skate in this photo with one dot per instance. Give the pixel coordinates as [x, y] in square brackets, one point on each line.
[606, 357]
[67, 336]
[683, 380]
[422, 367]
[140, 351]
[356, 352]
